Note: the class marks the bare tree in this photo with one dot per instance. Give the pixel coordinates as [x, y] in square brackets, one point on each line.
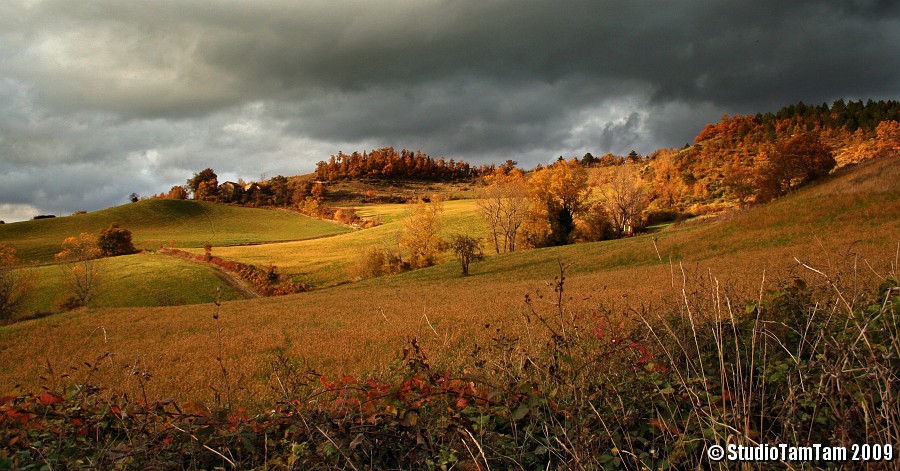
[80, 269]
[624, 199]
[15, 282]
[503, 205]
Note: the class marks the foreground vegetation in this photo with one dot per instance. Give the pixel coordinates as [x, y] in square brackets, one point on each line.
[809, 362]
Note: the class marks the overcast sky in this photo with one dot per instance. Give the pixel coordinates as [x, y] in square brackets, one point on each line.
[99, 99]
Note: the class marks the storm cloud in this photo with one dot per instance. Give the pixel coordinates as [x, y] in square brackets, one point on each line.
[99, 99]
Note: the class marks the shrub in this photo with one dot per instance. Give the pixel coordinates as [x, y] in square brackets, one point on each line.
[114, 241]
[266, 282]
[370, 263]
[659, 216]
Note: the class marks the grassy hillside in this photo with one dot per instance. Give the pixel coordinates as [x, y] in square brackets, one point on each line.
[328, 261]
[158, 222]
[135, 281]
[852, 221]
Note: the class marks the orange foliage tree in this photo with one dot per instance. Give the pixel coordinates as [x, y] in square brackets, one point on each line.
[560, 192]
[794, 162]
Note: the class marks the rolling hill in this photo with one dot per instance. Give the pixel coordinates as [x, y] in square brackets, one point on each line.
[137, 280]
[846, 226]
[159, 222]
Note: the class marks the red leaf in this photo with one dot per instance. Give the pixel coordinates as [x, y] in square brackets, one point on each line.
[48, 398]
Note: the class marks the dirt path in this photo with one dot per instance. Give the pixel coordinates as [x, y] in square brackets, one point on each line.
[226, 276]
[235, 282]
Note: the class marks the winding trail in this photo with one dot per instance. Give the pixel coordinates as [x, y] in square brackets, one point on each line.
[225, 276]
[235, 282]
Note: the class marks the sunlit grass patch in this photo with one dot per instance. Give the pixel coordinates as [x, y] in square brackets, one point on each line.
[134, 281]
[159, 222]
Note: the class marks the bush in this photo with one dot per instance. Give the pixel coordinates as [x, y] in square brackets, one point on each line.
[345, 216]
[659, 216]
[70, 303]
[371, 263]
[115, 241]
[266, 282]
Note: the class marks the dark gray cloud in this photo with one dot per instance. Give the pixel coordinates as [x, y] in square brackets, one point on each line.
[99, 99]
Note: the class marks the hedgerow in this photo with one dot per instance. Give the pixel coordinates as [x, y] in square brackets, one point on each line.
[266, 281]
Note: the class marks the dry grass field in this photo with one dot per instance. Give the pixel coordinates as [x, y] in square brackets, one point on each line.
[847, 225]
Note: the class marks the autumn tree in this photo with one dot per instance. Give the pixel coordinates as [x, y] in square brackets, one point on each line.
[887, 137]
[204, 185]
[594, 224]
[623, 199]
[279, 187]
[503, 205]
[419, 236]
[318, 191]
[206, 191]
[794, 162]
[560, 192]
[740, 180]
[15, 283]
[177, 193]
[78, 262]
[114, 241]
[467, 250]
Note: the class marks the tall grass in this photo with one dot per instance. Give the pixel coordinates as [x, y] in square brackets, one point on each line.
[815, 360]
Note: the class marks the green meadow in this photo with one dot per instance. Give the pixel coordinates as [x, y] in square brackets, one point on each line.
[134, 281]
[162, 222]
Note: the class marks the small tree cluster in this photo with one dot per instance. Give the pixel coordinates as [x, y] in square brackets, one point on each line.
[388, 163]
[793, 163]
[560, 192]
[204, 185]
